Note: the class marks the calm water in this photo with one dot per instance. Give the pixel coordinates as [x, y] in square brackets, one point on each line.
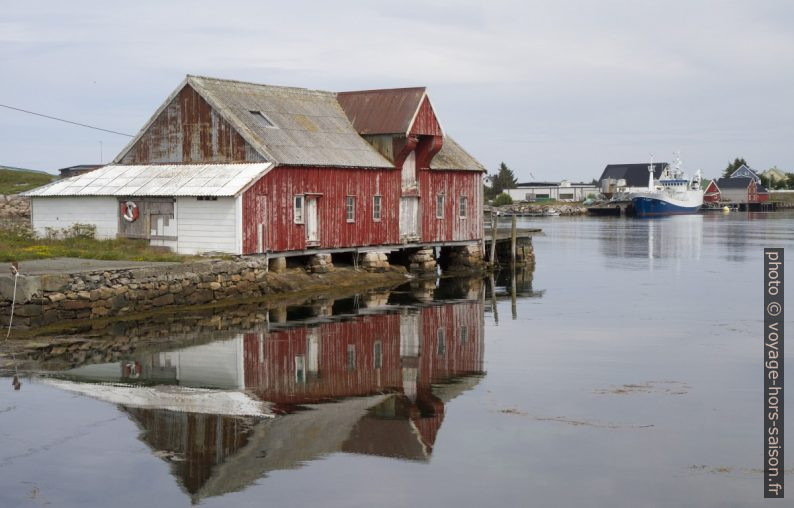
[626, 372]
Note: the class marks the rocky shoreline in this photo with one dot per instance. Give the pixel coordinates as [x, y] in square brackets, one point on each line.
[540, 209]
[56, 299]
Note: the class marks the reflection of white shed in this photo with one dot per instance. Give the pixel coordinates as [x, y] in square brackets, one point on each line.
[191, 208]
[218, 364]
[561, 191]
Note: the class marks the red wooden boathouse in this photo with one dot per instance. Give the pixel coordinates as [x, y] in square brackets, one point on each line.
[246, 168]
[737, 190]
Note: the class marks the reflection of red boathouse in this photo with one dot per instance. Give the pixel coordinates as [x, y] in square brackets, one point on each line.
[403, 352]
[375, 384]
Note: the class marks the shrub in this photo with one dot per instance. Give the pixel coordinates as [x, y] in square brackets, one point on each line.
[77, 231]
[82, 231]
[503, 199]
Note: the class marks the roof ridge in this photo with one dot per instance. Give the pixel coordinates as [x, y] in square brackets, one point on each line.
[264, 85]
[373, 90]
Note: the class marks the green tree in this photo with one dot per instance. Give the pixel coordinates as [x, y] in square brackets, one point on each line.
[766, 181]
[503, 179]
[733, 166]
[781, 184]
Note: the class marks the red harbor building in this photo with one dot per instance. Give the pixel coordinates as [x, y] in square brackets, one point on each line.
[245, 168]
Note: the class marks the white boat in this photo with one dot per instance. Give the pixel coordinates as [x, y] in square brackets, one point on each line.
[671, 194]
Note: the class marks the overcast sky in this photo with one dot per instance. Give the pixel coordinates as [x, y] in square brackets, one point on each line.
[554, 89]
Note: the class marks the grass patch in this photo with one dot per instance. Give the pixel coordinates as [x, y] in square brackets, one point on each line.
[19, 244]
[14, 182]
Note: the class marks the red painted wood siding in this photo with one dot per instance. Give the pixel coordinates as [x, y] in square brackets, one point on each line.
[453, 185]
[272, 375]
[752, 192]
[445, 353]
[334, 184]
[187, 131]
[712, 193]
[426, 122]
[203, 441]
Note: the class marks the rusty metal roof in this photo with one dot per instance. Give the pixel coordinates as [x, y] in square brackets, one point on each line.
[309, 128]
[389, 111]
[158, 180]
[453, 157]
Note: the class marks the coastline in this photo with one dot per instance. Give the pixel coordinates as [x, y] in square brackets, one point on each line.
[58, 301]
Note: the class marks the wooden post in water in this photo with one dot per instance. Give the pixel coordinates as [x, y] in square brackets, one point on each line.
[513, 241]
[493, 238]
[493, 300]
[513, 292]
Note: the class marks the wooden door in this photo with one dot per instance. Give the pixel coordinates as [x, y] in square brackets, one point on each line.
[312, 226]
[409, 218]
[261, 212]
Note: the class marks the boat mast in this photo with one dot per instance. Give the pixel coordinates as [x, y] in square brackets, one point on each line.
[650, 174]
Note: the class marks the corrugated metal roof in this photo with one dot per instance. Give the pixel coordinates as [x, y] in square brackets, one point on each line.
[389, 111]
[453, 156]
[311, 129]
[158, 180]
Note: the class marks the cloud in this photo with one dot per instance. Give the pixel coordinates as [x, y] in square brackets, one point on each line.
[557, 88]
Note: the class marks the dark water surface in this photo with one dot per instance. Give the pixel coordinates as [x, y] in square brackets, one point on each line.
[626, 372]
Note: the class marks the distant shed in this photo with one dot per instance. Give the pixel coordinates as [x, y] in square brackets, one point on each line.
[738, 190]
[77, 170]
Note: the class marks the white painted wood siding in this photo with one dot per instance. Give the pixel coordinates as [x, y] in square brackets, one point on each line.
[733, 195]
[206, 226]
[215, 365]
[63, 212]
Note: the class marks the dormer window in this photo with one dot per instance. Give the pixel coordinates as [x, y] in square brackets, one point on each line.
[263, 119]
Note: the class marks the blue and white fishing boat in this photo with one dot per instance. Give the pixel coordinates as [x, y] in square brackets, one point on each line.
[671, 194]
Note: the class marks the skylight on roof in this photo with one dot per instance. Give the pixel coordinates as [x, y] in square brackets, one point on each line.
[263, 119]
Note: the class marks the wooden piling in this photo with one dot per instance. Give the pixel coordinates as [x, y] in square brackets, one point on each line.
[513, 241]
[493, 299]
[513, 292]
[493, 238]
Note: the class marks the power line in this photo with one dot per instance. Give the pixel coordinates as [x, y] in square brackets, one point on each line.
[67, 121]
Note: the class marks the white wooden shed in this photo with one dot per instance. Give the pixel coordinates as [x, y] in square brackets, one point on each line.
[190, 208]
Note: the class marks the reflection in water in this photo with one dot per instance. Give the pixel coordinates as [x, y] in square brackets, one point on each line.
[365, 376]
[676, 237]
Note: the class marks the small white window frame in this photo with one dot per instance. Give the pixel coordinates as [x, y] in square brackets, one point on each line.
[350, 209]
[463, 207]
[377, 207]
[377, 355]
[351, 357]
[439, 206]
[298, 212]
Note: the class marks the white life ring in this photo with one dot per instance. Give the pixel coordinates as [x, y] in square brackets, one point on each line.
[129, 211]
